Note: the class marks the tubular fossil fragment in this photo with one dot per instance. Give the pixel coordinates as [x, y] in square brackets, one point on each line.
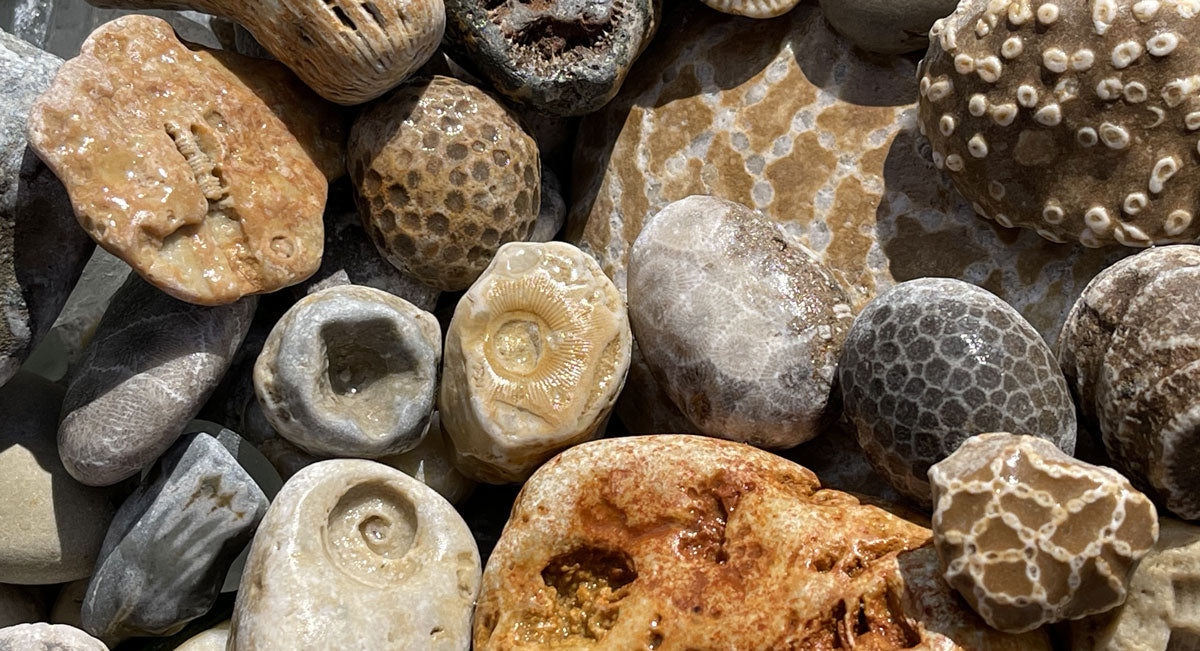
[536, 354]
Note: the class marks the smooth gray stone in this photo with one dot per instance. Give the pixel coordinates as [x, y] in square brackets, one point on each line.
[60, 26]
[42, 248]
[151, 365]
[553, 212]
[171, 543]
[47, 637]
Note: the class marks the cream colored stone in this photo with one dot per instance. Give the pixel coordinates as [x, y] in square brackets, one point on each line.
[536, 354]
[47, 637]
[214, 639]
[354, 554]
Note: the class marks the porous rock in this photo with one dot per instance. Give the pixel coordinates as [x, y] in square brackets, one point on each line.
[562, 57]
[443, 175]
[1074, 119]
[147, 371]
[62, 522]
[738, 321]
[886, 26]
[536, 354]
[353, 550]
[176, 161]
[785, 117]
[1160, 613]
[165, 556]
[349, 51]
[689, 542]
[42, 252]
[350, 371]
[934, 361]
[1029, 535]
[1130, 351]
[47, 637]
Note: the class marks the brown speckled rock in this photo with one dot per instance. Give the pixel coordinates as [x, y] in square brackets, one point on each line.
[444, 175]
[1075, 119]
[679, 542]
[1029, 535]
[785, 117]
[181, 168]
[1130, 349]
[738, 321]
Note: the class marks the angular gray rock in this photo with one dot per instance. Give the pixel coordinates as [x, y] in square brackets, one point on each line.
[60, 26]
[171, 543]
[42, 248]
[152, 363]
[47, 637]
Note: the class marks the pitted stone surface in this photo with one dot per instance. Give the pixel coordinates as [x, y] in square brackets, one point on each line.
[935, 361]
[1030, 536]
[738, 321]
[1130, 349]
[444, 175]
[1074, 119]
[785, 117]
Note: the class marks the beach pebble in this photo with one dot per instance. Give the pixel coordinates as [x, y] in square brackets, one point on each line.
[47, 637]
[214, 639]
[19, 604]
[68, 606]
[432, 464]
[886, 26]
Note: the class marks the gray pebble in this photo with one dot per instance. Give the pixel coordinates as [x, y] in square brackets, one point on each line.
[47, 637]
[167, 552]
[146, 372]
[553, 212]
[934, 361]
[350, 371]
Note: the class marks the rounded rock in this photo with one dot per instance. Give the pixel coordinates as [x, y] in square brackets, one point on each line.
[935, 361]
[443, 175]
[886, 26]
[536, 354]
[738, 321]
[350, 371]
[214, 639]
[353, 550]
[1084, 107]
[47, 637]
[432, 463]
[1129, 349]
[1030, 536]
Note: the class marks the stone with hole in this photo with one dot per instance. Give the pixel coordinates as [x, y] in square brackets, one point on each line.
[350, 371]
[354, 552]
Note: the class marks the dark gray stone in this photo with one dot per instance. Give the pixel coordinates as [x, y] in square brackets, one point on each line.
[42, 248]
[562, 57]
[151, 365]
[171, 543]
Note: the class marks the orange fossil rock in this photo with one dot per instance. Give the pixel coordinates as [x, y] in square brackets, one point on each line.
[685, 542]
[176, 161]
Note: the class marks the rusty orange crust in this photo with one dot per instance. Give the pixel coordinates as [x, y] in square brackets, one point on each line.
[685, 542]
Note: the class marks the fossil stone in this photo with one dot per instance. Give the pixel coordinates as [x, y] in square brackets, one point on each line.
[147, 371]
[1073, 119]
[1029, 535]
[682, 542]
[350, 371]
[19, 604]
[214, 639]
[934, 361]
[349, 51]
[887, 26]
[1129, 350]
[1160, 613]
[785, 117]
[42, 252]
[553, 212]
[47, 637]
[341, 536]
[738, 321]
[61, 522]
[536, 354]
[186, 172]
[171, 542]
[443, 176]
[563, 57]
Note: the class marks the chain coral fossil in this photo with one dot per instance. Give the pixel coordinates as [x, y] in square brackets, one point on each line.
[1029, 535]
[1076, 119]
[536, 354]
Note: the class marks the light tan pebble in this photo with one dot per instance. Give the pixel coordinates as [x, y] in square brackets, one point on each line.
[432, 463]
[1030, 536]
[214, 639]
[340, 534]
[536, 354]
[753, 8]
[47, 637]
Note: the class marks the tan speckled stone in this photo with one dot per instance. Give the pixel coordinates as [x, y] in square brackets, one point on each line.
[444, 175]
[179, 167]
[785, 117]
[1075, 119]
[685, 542]
[1030, 536]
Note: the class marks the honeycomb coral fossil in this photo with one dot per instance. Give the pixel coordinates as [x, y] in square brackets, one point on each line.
[1029, 535]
